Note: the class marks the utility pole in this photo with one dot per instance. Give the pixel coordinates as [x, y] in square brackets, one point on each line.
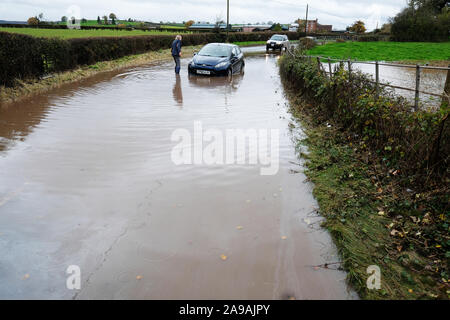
[228, 16]
[306, 21]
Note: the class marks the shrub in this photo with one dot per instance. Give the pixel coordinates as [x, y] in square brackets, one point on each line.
[33, 21]
[416, 143]
[368, 38]
[20, 57]
[422, 21]
[307, 43]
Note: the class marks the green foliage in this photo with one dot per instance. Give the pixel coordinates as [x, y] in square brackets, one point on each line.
[423, 20]
[33, 21]
[307, 43]
[19, 58]
[414, 142]
[381, 178]
[277, 27]
[358, 27]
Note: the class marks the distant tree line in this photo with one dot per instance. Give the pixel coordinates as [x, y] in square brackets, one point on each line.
[422, 20]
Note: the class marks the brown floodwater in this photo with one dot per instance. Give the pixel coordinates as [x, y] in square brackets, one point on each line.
[431, 81]
[86, 179]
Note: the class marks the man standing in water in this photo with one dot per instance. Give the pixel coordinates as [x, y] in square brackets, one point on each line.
[176, 52]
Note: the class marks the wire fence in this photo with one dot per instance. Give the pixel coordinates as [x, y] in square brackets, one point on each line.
[377, 82]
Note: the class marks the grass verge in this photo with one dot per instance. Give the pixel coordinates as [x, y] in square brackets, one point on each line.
[384, 205]
[353, 200]
[249, 43]
[27, 88]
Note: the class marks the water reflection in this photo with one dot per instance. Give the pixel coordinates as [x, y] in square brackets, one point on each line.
[177, 91]
[216, 82]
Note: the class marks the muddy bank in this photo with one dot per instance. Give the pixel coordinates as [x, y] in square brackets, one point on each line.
[32, 87]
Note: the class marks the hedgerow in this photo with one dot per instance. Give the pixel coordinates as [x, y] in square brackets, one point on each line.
[24, 57]
[414, 142]
[381, 174]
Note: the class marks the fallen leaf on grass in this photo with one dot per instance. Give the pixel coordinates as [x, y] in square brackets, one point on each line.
[223, 257]
[415, 219]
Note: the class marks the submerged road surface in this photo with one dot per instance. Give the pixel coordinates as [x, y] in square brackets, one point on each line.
[88, 179]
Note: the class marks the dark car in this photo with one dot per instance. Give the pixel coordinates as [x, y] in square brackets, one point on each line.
[217, 59]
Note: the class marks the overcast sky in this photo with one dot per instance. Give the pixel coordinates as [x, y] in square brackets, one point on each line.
[338, 13]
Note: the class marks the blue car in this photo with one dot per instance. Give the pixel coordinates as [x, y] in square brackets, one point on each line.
[217, 59]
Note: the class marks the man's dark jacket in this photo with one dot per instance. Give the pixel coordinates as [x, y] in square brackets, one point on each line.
[176, 48]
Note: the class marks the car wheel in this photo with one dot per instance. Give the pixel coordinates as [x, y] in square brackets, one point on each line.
[243, 69]
[230, 73]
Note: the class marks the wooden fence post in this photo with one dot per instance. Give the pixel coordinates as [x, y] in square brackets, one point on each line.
[446, 95]
[416, 100]
[329, 65]
[349, 70]
[377, 77]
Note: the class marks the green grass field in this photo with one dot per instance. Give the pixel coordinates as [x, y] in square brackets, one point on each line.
[254, 43]
[249, 43]
[93, 23]
[173, 27]
[385, 51]
[68, 34]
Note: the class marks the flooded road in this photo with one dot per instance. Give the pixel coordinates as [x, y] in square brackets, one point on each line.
[87, 179]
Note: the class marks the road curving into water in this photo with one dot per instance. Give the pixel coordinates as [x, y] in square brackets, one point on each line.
[88, 179]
